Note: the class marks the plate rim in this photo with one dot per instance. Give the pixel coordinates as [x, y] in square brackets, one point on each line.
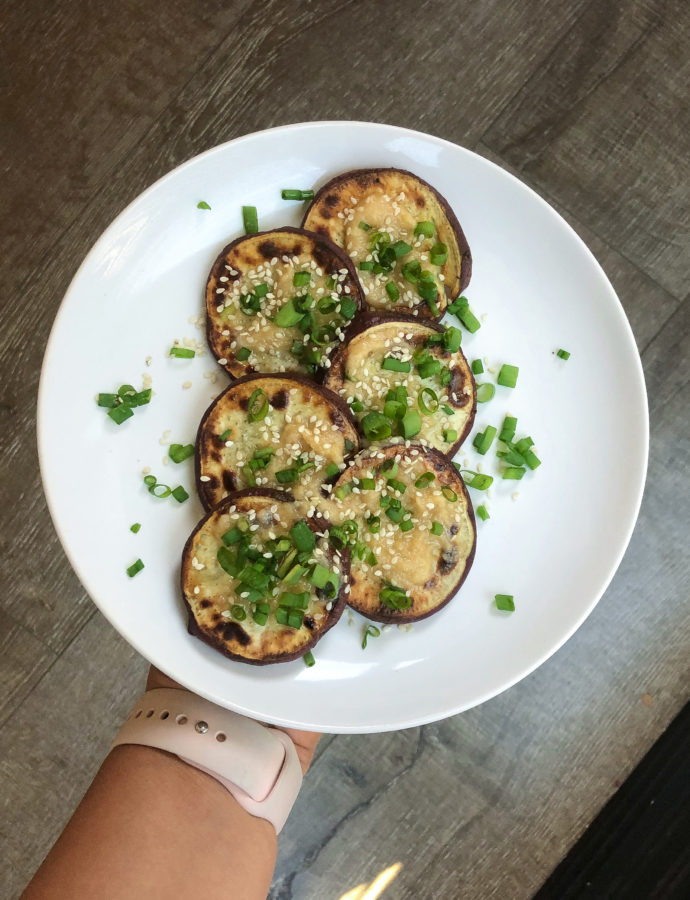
[641, 389]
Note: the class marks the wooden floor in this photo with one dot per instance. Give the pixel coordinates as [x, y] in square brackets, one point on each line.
[587, 102]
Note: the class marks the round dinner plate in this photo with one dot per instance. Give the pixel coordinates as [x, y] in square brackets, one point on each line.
[554, 539]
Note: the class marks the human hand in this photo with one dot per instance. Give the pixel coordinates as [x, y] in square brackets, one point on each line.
[305, 741]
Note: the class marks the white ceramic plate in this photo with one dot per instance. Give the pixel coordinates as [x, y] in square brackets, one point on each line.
[536, 286]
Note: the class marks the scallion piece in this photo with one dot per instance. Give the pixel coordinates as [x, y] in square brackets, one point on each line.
[232, 536]
[448, 410]
[511, 457]
[287, 476]
[202, 204]
[438, 254]
[343, 490]
[160, 491]
[149, 480]
[295, 618]
[563, 354]
[392, 291]
[508, 430]
[400, 248]
[477, 367]
[120, 413]
[107, 400]
[369, 631]
[395, 598]
[436, 528]
[532, 459]
[505, 602]
[259, 617]
[238, 612]
[331, 470]
[449, 493]
[356, 405]
[395, 514]
[513, 473]
[364, 226]
[367, 484]
[179, 452]
[406, 525]
[477, 480]
[135, 528]
[293, 194]
[427, 401]
[508, 376]
[182, 353]
[424, 480]
[452, 338]
[376, 427]
[396, 485]
[485, 392]
[250, 219]
[303, 537]
[243, 354]
[348, 307]
[349, 445]
[411, 423]
[450, 435]
[487, 440]
[257, 408]
[411, 271]
[395, 365]
[180, 494]
[424, 229]
[300, 279]
[524, 444]
[288, 315]
[367, 265]
[227, 561]
[374, 524]
[309, 659]
[136, 566]
[483, 513]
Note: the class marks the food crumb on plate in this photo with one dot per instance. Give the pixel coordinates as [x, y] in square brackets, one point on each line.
[647, 699]
[515, 495]
[146, 470]
[186, 385]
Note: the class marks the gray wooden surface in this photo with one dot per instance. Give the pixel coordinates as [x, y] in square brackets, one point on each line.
[585, 101]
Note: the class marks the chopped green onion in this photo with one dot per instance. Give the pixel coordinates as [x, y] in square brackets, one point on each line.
[243, 354]
[508, 375]
[287, 476]
[511, 457]
[393, 409]
[395, 514]
[477, 480]
[326, 305]
[438, 254]
[450, 435]
[392, 291]
[126, 393]
[356, 405]
[406, 525]
[427, 368]
[369, 631]
[505, 602]
[449, 493]
[483, 513]
[436, 528]
[532, 459]
[448, 410]
[487, 439]
[332, 469]
[119, 413]
[303, 537]
[250, 219]
[424, 480]
[180, 494]
[411, 271]
[257, 408]
[508, 430]
[227, 561]
[179, 452]
[396, 485]
[376, 427]
[300, 279]
[364, 226]
[250, 304]
[367, 265]
[161, 491]
[288, 315]
[259, 617]
[348, 307]
[320, 576]
[411, 423]
[309, 659]
[349, 445]
[182, 353]
[424, 229]
[295, 618]
[374, 523]
[260, 290]
[524, 444]
[292, 194]
[238, 612]
[477, 367]
[136, 566]
[232, 536]
[395, 365]
[202, 204]
[395, 598]
[107, 400]
[513, 473]
[149, 480]
[563, 354]
[400, 248]
[367, 484]
[461, 309]
[343, 490]
[135, 528]
[294, 601]
[485, 392]
[452, 338]
[141, 398]
[427, 401]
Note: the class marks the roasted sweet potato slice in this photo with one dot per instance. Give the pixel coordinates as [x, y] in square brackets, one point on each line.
[406, 515]
[276, 431]
[410, 251]
[260, 583]
[279, 301]
[397, 366]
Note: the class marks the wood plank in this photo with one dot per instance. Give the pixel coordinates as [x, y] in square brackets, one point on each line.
[647, 305]
[604, 128]
[23, 660]
[53, 744]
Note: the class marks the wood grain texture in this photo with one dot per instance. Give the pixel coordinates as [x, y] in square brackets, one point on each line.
[605, 127]
[585, 101]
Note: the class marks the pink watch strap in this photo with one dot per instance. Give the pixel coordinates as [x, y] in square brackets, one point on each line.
[257, 764]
